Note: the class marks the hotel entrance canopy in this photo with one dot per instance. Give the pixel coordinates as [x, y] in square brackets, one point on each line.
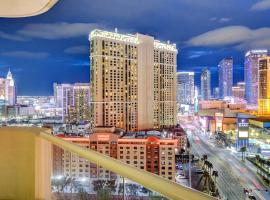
[24, 8]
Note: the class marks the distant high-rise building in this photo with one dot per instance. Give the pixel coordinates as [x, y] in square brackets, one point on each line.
[225, 71]
[205, 84]
[185, 88]
[7, 90]
[216, 93]
[264, 86]
[74, 99]
[133, 81]
[251, 74]
[239, 90]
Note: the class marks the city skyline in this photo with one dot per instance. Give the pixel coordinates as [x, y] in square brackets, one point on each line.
[57, 41]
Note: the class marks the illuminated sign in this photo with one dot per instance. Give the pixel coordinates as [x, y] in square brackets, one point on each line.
[219, 121]
[242, 125]
[243, 134]
[103, 137]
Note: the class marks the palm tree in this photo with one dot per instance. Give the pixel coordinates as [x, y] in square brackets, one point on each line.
[210, 167]
[215, 175]
[206, 183]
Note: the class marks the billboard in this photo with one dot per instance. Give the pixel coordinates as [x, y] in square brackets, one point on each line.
[242, 126]
[219, 121]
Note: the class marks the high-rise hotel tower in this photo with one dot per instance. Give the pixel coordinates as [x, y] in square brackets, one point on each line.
[264, 86]
[133, 81]
[251, 74]
[225, 74]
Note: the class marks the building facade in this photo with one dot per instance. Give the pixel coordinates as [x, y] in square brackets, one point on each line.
[185, 88]
[216, 93]
[74, 100]
[7, 90]
[145, 150]
[205, 84]
[251, 74]
[239, 90]
[225, 72]
[133, 81]
[264, 86]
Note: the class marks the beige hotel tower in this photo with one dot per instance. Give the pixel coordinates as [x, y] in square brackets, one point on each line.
[133, 81]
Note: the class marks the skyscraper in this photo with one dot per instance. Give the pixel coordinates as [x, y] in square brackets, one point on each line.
[205, 84]
[133, 81]
[185, 88]
[264, 86]
[239, 90]
[7, 90]
[216, 93]
[225, 72]
[74, 99]
[251, 74]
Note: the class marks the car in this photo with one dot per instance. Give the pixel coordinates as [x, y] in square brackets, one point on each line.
[252, 197]
[180, 176]
[199, 171]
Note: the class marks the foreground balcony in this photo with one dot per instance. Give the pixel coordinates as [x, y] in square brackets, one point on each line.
[26, 167]
[24, 8]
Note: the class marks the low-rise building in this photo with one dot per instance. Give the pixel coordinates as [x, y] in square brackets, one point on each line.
[149, 150]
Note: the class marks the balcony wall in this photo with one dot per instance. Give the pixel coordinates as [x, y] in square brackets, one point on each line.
[25, 164]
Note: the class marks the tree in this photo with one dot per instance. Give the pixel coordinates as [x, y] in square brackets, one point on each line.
[215, 175]
[210, 167]
[104, 188]
[82, 195]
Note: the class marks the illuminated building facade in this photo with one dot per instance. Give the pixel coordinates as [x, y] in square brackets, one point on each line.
[264, 86]
[216, 93]
[133, 81]
[185, 88]
[7, 90]
[74, 100]
[225, 72]
[251, 74]
[206, 84]
[239, 90]
[69, 164]
[146, 150]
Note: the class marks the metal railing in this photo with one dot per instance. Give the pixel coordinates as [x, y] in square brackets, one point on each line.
[149, 180]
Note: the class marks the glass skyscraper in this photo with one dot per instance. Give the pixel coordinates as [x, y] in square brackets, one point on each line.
[185, 88]
[205, 84]
[251, 74]
[225, 72]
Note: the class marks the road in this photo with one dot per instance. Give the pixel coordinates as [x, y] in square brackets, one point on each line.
[234, 175]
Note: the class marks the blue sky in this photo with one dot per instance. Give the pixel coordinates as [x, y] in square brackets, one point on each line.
[54, 47]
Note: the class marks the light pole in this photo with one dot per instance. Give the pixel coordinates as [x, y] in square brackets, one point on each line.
[124, 188]
[189, 163]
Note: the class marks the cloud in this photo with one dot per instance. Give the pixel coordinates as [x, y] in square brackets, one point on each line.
[261, 5]
[220, 20]
[240, 36]
[197, 54]
[224, 20]
[7, 36]
[56, 31]
[81, 63]
[51, 31]
[25, 54]
[77, 50]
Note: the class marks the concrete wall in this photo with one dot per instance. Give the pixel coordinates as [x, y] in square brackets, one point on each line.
[25, 164]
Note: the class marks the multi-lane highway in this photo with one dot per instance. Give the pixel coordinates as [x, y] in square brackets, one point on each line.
[234, 175]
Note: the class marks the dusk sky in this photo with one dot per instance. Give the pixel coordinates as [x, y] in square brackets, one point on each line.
[54, 47]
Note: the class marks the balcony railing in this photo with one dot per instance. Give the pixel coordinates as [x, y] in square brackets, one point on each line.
[29, 161]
